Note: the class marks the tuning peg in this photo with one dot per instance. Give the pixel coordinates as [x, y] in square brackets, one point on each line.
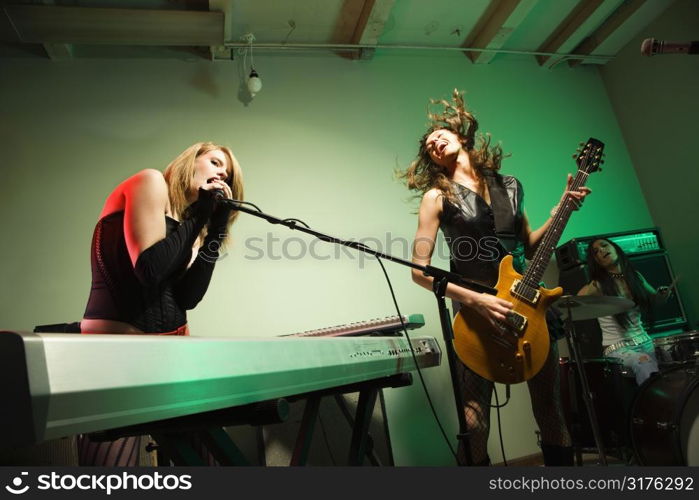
[575, 157]
[581, 143]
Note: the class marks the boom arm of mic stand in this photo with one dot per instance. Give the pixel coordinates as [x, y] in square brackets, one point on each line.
[434, 272]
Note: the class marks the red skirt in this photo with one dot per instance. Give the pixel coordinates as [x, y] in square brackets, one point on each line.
[181, 331]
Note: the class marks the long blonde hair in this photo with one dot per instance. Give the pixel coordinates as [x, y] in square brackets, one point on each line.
[424, 174]
[179, 174]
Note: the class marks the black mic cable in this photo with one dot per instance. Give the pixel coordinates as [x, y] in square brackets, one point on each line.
[417, 366]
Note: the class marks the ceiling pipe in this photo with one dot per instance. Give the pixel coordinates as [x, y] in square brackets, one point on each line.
[358, 47]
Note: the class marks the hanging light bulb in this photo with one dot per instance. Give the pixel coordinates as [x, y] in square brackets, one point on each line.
[254, 82]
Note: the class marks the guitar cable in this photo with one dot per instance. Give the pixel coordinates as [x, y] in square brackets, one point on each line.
[497, 405]
[417, 366]
[497, 410]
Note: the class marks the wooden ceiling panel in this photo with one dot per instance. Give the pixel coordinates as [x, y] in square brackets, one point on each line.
[432, 22]
[292, 21]
[611, 24]
[496, 25]
[565, 30]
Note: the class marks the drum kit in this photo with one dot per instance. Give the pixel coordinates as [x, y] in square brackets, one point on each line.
[656, 423]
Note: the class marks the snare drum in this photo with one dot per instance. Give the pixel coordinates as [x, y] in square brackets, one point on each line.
[677, 349]
[664, 424]
[612, 388]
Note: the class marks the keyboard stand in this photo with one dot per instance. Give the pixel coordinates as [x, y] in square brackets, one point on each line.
[174, 436]
[361, 443]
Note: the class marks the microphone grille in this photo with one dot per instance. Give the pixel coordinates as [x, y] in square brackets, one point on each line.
[647, 47]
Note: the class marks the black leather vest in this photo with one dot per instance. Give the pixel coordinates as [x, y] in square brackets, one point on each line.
[468, 226]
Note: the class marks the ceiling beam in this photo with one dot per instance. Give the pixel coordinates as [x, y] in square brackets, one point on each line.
[86, 25]
[611, 24]
[58, 51]
[370, 25]
[226, 7]
[495, 26]
[565, 30]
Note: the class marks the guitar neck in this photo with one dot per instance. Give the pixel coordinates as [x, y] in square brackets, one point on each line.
[549, 242]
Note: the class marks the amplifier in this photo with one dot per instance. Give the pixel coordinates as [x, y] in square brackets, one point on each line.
[574, 252]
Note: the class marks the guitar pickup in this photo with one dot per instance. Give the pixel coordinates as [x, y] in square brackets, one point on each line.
[525, 292]
[516, 321]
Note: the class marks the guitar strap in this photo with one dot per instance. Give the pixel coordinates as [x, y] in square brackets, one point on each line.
[502, 210]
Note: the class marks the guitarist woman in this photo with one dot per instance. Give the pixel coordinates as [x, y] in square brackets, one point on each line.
[623, 335]
[454, 175]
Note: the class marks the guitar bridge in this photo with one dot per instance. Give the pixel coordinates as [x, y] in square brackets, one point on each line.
[505, 337]
[525, 292]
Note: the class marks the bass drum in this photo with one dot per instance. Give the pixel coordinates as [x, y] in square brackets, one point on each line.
[664, 424]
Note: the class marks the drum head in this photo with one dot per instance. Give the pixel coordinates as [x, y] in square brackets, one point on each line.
[593, 361]
[678, 349]
[675, 338]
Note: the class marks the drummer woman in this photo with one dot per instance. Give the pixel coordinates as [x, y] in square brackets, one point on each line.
[623, 334]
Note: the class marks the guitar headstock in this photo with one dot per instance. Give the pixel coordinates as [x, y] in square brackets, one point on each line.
[589, 155]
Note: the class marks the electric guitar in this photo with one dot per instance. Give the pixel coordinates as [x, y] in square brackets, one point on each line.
[516, 350]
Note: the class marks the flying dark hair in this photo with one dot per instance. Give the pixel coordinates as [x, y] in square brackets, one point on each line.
[639, 293]
[424, 174]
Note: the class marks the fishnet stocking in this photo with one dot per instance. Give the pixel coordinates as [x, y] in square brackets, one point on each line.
[545, 395]
[544, 391]
[119, 453]
[124, 451]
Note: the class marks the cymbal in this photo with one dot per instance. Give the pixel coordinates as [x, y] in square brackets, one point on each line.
[591, 306]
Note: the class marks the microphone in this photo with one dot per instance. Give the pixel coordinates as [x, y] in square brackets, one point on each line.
[651, 47]
[219, 194]
[220, 198]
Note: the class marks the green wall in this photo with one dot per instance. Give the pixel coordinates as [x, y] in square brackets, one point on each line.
[320, 142]
[656, 102]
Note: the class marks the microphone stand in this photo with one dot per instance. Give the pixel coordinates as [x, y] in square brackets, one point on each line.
[587, 395]
[441, 279]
